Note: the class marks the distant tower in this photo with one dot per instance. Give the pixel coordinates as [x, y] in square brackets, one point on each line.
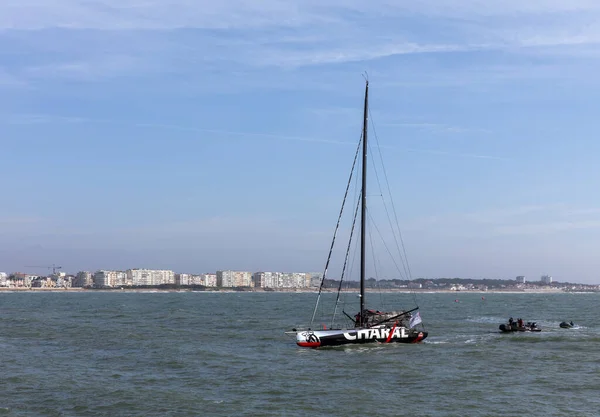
[521, 279]
[546, 279]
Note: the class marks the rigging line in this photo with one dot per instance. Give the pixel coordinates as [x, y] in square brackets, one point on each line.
[389, 190]
[345, 261]
[337, 226]
[384, 244]
[344, 295]
[402, 259]
[375, 264]
[407, 265]
[357, 194]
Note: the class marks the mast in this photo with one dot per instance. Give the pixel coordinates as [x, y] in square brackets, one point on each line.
[363, 208]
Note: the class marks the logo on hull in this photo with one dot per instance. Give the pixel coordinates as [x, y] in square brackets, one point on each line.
[310, 340]
[399, 333]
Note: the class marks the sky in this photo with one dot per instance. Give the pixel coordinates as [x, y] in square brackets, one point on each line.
[202, 135]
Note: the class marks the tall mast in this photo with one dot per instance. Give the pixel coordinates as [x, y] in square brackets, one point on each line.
[363, 208]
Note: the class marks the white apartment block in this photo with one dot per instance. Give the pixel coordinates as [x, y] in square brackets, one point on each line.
[151, 277]
[208, 280]
[205, 280]
[546, 279]
[3, 279]
[184, 279]
[234, 279]
[266, 279]
[105, 278]
[282, 279]
[297, 279]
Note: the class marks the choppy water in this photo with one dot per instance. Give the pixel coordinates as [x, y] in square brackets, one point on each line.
[214, 354]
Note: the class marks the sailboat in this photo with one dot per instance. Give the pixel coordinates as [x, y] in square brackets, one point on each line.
[368, 325]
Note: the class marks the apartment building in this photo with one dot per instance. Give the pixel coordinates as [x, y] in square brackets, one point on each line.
[234, 279]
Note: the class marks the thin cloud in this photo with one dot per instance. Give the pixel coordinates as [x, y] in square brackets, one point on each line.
[545, 228]
[51, 119]
[8, 80]
[173, 14]
[91, 69]
[438, 127]
[457, 154]
[344, 54]
[246, 134]
[37, 119]
[496, 215]
[34, 119]
[277, 33]
[144, 15]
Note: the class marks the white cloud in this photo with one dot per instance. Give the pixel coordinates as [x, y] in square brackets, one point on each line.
[239, 43]
[333, 31]
[149, 14]
[472, 8]
[173, 14]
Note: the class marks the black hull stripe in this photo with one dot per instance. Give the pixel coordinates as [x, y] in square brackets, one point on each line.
[340, 340]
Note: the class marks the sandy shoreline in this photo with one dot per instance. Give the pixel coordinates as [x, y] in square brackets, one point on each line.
[399, 290]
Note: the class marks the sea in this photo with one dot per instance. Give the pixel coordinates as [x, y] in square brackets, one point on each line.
[92, 353]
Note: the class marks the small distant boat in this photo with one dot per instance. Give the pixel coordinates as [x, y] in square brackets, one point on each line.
[514, 327]
[566, 325]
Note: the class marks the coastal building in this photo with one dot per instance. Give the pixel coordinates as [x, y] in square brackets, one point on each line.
[83, 279]
[266, 279]
[43, 282]
[234, 278]
[520, 279]
[208, 280]
[65, 281]
[104, 278]
[184, 279]
[205, 280]
[315, 279]
[546, 279]
[296, 280]
[283, 280]
[151, 277]
[3, 279]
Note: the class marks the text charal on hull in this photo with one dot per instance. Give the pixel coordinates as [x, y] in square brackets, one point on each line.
[368, 325]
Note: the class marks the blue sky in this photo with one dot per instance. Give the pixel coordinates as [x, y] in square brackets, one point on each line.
[196, 135]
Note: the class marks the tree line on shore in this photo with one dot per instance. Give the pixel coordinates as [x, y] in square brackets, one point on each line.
[441, 283]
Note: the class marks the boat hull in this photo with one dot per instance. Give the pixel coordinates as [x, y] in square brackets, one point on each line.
[321, 338]
[566, 325]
